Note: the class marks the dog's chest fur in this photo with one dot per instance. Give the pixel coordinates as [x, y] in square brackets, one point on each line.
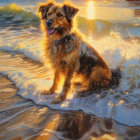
[64, 45]
[62, 51]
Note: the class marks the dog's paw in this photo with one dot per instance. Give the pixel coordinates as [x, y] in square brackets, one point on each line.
[47, 92]
[83, 92]
[57, 100]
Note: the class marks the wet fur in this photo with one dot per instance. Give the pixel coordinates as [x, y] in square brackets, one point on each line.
[69, 54]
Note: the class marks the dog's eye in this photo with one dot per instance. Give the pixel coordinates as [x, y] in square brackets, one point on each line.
[59, 14]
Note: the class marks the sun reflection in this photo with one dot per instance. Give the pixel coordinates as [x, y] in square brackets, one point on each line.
[49, 129]
[90, 10]
[65, 104]
[120, 102]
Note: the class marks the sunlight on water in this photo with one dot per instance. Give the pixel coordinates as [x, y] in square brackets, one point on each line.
[15, 15]
[50, 126]
[115, 42]
[13, 7]
[108, 137]
[90, 10]
[65, 104]
[94, 11]
[42, 111]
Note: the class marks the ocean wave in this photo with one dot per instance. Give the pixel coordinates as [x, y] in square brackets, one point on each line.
[121, 104]
[31, 78]
[101, 28]
[15, 15]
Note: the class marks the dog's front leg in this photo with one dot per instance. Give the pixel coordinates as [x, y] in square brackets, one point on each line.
[55, 83]
[66, 87]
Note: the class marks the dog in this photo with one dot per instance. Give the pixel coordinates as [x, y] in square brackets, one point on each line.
[68, 52]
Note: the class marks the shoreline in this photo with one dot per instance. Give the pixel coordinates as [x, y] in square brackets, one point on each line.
[28, 120]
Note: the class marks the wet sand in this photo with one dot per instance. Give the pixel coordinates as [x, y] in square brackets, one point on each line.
[22, 119]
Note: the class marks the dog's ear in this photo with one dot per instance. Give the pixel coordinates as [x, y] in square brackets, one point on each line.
[44, 9]
[70, 11]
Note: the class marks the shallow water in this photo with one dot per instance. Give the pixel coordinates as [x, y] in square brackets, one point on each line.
[22, 119]
[113, 29]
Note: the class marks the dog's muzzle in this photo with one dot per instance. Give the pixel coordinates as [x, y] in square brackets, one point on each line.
[49, 23]
[50, 30]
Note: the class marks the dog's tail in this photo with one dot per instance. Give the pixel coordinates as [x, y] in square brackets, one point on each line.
[116, 77]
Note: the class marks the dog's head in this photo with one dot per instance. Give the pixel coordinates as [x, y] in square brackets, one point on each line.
[57, 19]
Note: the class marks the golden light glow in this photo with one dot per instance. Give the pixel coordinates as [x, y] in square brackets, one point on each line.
[90, 10]
[49, 129]
[120, 102]
[105, 137]
[70, 97]
[65, 104]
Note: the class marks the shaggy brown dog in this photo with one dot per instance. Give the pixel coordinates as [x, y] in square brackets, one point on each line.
[68, 53]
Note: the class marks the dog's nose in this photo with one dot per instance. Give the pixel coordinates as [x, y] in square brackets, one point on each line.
[49, 23]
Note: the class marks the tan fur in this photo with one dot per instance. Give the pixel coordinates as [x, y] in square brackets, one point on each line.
[69, 54]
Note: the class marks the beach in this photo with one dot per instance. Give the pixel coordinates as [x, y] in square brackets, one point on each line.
[113, 29]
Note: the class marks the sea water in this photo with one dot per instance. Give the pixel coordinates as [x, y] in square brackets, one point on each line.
[111, 27]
